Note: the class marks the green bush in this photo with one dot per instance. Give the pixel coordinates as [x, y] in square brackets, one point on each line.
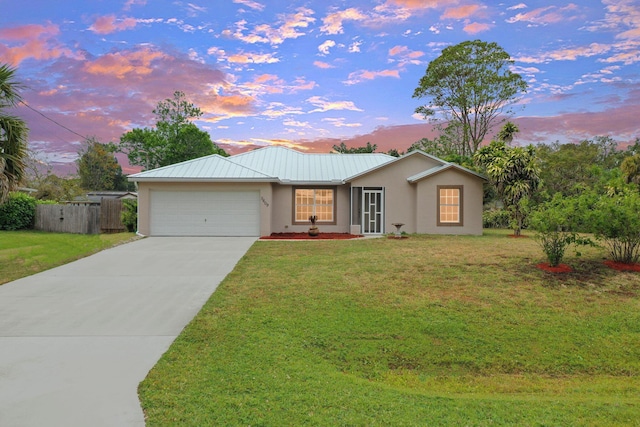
[555, 222]
[616, 220]
[496, 218]
[18, 212]
[129, 216]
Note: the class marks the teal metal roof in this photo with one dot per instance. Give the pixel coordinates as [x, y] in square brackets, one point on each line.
[276, 164]
[209, 168]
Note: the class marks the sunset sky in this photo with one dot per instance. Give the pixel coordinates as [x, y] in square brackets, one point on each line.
[310, 74]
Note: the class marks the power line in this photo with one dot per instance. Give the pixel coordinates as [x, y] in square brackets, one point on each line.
[51, 120]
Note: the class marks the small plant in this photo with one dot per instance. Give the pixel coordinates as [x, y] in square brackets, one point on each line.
[615, 220]
[129, 216]
[313, 230]
[553, 223]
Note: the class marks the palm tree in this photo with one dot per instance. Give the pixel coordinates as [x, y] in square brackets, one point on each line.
[515, 173]
[507, 132]
[13, 134]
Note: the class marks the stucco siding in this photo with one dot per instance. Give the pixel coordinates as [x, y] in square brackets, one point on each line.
[427, 209]
[145, 190]
[282, 213]
[400, 195]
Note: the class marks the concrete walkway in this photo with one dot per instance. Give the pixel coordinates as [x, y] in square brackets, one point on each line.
[76, 340]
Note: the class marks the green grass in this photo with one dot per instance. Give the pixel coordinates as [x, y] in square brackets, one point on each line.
[432, 330]
[23, 253]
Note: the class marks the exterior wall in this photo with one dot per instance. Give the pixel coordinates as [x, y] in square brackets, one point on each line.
[282, 213]
[400, 195]
[144, 200]
[427, 197]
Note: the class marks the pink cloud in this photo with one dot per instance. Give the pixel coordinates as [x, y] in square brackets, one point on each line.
[332, 23]
[476, 27]
[32, 41]
[422, 4]
[398, 50]
[124, 64]
[460, 12]
[287, 27]
[109, 24]
[322, 65]
[130, 3]
[405, 52]
[547, 15]
[568, 54]
[362, 75]
[113, 93]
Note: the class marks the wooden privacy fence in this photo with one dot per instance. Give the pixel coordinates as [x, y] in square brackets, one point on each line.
[81, 218]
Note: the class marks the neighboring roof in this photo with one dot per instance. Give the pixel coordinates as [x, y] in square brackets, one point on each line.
[284, 165]
[274, 164]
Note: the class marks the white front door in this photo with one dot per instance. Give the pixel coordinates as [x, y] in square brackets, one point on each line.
[372, 211]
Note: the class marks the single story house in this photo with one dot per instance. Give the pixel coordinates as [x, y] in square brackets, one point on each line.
[276, 189]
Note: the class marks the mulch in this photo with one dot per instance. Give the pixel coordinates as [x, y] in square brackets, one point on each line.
[620, 266]
[560, 268]
[305, 236]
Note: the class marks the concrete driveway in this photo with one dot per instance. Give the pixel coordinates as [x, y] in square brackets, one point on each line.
[76, 340]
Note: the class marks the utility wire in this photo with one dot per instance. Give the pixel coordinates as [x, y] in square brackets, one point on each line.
[50, 119]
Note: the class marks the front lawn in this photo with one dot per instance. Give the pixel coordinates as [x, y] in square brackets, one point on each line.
[23, 253]
[431, 330]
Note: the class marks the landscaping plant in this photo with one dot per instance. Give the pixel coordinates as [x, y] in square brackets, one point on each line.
[615, 219]
[554, 223]
[129, 216]
[18, 212]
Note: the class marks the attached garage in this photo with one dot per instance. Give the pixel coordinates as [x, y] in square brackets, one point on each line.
[204, 213]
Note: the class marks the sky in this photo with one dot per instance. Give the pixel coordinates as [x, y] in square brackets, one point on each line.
[310, 74]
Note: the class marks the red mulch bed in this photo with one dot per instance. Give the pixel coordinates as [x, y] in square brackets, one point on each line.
[305, 236]
[560, 268]
[620, 266]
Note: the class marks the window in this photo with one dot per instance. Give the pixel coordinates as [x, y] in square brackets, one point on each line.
[450, 205]
[314, 201]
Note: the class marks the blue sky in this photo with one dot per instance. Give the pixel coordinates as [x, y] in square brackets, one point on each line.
[309, 74]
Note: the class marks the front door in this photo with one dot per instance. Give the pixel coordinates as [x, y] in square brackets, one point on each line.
[372, 211]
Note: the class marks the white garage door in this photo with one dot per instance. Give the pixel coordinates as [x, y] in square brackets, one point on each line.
[205, 213]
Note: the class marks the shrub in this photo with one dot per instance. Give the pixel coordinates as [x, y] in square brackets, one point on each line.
[496, 218]
[129, 216]
[554, 223]
[18, 212]
[616, 221]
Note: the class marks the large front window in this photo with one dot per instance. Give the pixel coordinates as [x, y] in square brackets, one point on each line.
[449, 205]
[314, 201]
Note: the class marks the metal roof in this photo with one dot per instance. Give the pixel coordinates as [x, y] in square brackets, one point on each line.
[441, 168]
[209, 168]
[269, 164]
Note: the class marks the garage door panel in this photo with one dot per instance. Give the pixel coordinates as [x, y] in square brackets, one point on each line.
[205, 213]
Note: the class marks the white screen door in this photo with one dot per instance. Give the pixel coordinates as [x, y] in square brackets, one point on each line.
[372, 211]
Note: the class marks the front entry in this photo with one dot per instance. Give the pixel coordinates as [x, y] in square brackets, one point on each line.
[372, 211]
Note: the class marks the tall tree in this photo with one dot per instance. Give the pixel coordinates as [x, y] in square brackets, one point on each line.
[174, 139]
[447, 143]
[631, 169]
[98, 168]
[515, 173]
[14, 134]
[470, 83]
[571, 168]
